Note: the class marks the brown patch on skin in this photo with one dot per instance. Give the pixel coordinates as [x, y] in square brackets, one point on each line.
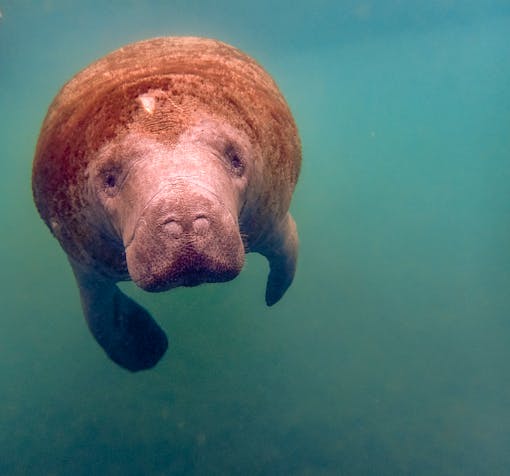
[186, 76]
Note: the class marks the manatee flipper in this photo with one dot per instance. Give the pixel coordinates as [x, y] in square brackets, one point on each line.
[124, 329]
[281, 251]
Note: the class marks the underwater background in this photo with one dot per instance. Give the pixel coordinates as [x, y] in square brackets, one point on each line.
[389, 355]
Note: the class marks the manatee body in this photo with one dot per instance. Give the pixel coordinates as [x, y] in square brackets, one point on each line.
[165, 162]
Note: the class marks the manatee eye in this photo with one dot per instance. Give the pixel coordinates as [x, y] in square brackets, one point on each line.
[234, 159]
[110, 180]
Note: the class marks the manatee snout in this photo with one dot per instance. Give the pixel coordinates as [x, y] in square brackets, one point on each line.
[185, 236]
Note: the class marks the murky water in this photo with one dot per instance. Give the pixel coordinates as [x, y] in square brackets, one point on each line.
[390, 353]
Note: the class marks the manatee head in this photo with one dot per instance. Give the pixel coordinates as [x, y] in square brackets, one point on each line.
[175, 208]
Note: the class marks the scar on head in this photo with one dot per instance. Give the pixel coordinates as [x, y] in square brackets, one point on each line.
[148, 102]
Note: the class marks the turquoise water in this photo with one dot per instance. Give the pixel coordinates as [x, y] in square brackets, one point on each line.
[389, 355]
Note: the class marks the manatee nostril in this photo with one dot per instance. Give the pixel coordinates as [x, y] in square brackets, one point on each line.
[173, 228]
[201, 225]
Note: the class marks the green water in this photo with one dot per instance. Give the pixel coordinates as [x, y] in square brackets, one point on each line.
[390, 354]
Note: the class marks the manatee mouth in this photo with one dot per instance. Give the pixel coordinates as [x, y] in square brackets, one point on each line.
[188, 269]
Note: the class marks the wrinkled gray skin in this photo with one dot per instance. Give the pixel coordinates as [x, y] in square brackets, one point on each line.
[179, 213]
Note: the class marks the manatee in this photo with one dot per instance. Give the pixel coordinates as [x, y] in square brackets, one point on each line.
[164, 163]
